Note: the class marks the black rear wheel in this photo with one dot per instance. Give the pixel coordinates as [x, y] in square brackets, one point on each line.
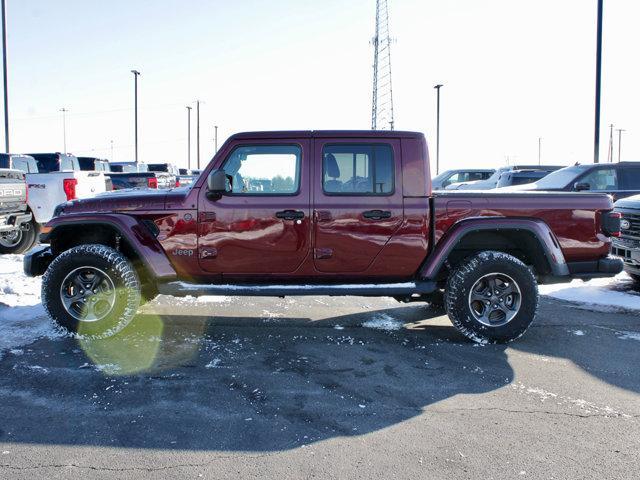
[92, 290]
[491, 297]
[18, 241]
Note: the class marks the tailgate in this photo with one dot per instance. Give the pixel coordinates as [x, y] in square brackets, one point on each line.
[13, 191]
[90, 184]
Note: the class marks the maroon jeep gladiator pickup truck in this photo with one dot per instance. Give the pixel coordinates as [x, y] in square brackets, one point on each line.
[322, 213]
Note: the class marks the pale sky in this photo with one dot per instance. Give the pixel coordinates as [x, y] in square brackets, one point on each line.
[513, 70]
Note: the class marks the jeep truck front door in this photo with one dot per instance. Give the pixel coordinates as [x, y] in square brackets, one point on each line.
[262, 225]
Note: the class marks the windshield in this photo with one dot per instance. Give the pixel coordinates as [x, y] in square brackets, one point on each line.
[561, 178]
[442, 176]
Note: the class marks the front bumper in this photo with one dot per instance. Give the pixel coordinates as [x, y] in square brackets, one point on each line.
[35, 262]
[629, 252]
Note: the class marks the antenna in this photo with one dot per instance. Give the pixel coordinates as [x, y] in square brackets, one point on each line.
[382, 105]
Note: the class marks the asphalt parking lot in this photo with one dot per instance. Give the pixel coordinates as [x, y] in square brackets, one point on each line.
[298, 388]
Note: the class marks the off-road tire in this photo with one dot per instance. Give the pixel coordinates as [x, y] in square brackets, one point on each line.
[119, 270]
[25, 240]
[464, 277]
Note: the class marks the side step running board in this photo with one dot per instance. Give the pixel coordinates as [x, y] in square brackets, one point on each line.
[183, 289]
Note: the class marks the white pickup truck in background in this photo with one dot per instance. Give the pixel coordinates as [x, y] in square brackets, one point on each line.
[57, 179]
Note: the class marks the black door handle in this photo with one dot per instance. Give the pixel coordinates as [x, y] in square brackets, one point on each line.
[290, 215]
[376, 214]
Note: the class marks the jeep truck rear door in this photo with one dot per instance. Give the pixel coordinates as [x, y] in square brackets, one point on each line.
[262, 226]
[357, 202]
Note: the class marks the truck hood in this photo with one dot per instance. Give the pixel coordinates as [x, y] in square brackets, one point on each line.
[120, 201]
[629, 202]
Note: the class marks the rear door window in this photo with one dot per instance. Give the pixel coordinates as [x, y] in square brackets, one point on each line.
[358, 169]
[630, 178]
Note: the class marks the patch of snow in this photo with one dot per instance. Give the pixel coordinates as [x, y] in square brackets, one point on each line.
[603, 292]
[577, 333]
[382, 321]
[338, 327]
[22, 317]
[213, 363]
[629, 336]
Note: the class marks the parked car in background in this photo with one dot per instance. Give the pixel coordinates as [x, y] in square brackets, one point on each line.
[92, 164]
[322, 213]
[522, 177]
[126, 175]
[168, 168]
[17, 232]
[186, 177]
[492, 182]
[456, 176]
[58, 180]
[627, 246]
[619, 180]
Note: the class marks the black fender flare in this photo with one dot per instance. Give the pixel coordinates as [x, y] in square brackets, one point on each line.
[137, 236]
[543, 234]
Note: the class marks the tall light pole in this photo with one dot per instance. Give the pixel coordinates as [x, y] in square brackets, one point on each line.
[135, 96]
[596, 141]
[620, 130]
[438, 87]
[189, 138]
[539, 150]
[610, 149]
[198, 131]
[4, 66]
[215, 138]
[64, 128]
[112, 159]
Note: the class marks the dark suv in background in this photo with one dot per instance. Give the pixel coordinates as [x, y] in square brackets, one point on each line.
[619, 180]
[522, 177]
[627, 246]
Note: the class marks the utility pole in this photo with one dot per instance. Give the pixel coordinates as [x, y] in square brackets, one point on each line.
[189, 138]
[198, 131]
[438, 87]
[620, 130]
[610, 149]
[112, 159]
[64, 128]
[135, 96]
[539, 150]
[4, 65]
[215, 138]
[596, 142]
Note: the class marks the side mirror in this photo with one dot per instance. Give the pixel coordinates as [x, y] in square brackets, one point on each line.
[581, 186]
[217, 183]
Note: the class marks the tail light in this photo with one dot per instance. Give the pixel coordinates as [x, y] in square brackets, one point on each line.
[177, 182]
[69, 187]
[152, 182]
[611, 224]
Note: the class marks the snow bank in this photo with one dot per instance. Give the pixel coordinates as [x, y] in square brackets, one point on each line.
[609, 293]
[22, 317]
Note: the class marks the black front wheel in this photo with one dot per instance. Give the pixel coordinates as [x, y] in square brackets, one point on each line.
[491, 297]
[92, 290]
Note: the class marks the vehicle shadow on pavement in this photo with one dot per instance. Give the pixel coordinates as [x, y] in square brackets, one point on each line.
[223, 383]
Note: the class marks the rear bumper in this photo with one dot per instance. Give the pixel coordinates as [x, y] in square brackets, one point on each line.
[604, 267]
[35, 262]
[8, 223]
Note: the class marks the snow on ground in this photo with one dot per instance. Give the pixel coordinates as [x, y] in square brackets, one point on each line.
[22, 317]
[607, 293]
[382, 321]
